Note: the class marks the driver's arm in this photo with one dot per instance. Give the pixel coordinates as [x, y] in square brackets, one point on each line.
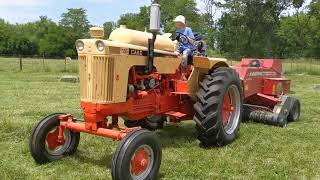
[190, 35]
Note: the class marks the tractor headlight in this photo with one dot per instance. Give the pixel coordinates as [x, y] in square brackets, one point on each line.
[80, 45]
[100, 45]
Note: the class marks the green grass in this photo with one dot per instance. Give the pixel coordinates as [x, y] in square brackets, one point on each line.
[260, 152]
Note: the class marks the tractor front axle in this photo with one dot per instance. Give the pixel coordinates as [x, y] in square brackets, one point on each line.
[69, 122]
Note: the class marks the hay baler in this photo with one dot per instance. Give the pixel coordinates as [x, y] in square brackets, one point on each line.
[136, 76]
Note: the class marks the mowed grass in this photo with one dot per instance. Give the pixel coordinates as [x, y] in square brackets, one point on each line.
[260, 152]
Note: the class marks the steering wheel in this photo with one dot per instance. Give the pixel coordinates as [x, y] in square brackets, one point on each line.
[180, 37]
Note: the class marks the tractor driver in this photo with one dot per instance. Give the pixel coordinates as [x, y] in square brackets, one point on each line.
[185, 45]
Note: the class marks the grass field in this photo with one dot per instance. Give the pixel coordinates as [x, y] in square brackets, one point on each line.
[261, 151]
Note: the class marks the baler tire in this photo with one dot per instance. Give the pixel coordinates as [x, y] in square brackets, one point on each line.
[37, 142]
[294, 113]
[209, 108]
[125, 154]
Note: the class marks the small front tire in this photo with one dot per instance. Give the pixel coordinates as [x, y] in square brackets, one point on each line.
[138, 156]
[44, 145]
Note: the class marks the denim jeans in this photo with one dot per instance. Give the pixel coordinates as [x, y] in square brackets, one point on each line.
[185, 54]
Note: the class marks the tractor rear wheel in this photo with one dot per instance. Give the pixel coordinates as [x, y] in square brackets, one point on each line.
[219, 107]
[44, 144]
[294, 113]
[138, 156]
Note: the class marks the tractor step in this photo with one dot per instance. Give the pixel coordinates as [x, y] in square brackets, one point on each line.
[175, 114]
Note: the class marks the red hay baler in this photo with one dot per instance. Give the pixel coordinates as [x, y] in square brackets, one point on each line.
[264, 89]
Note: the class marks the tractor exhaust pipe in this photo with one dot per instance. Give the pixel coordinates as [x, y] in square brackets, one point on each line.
[155, 14]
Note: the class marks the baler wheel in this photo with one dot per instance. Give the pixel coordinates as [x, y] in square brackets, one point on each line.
[138, 156]
[294, 113]
[219, 107]
[44, 144]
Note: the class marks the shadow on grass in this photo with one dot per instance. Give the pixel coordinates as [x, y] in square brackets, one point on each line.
[177, 135]
[104, 160]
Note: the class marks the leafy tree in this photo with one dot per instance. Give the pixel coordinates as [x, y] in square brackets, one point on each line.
[5, 34]
[137, 21]
[108, 28]
[76, 21]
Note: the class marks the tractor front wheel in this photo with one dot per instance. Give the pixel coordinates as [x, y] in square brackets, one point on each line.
[44, 143]
[138, 156]
[219, 107]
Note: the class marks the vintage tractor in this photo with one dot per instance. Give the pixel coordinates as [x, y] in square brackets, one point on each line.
[136, 76]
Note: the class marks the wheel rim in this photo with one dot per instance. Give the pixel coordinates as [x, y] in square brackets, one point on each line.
[141, 162]
[55, 147]
[231, 109]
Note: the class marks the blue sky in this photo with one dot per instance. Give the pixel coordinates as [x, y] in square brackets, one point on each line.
[99, 11]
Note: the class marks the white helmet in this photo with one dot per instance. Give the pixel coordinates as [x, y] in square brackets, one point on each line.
[181, 19]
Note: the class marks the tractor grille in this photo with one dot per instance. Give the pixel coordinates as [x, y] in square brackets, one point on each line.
[96, 78]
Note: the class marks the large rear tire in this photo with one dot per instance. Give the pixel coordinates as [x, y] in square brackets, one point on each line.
[219, 107]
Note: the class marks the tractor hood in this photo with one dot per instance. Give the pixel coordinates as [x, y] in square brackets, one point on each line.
[139, 38]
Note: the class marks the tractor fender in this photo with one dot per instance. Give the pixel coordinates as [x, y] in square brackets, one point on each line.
[209, 63]
[201, 67]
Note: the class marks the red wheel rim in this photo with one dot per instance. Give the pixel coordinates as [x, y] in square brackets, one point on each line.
[52, 139]
[228, 108]
[141, 162]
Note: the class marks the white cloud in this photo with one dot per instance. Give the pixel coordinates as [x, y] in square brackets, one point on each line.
[97, 1]
[18, 16]
[22, 3]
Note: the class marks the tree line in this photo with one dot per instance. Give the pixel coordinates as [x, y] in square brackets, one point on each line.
[246, 28]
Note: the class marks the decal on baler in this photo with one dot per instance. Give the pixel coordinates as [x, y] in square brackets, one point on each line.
[267, 73]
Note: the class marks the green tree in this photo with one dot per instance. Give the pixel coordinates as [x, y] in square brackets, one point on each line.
[137, 21]
[108, 28]
[75, 20]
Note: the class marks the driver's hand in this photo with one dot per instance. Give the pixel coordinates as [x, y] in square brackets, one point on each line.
[190, 40]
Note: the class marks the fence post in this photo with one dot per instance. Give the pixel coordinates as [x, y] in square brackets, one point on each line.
[20, 62]
[43, 61]
[65, 64]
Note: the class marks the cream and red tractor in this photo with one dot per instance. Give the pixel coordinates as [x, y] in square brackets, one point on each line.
[136, 76]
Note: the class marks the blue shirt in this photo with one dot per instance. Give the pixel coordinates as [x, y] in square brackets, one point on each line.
[188, 32]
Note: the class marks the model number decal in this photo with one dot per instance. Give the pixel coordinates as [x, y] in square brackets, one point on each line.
[270, 73]
[124, 51]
